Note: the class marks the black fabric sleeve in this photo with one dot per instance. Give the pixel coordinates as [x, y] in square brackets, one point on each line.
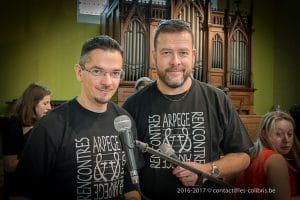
[236, 138]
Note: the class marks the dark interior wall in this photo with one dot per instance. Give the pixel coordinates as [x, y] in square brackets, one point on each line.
[286, 54]
[276, 47]
[263, 55]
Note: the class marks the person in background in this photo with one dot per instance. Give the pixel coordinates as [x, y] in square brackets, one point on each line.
[74, 152]
[276, 155]
[196, 119]
[32, 105]
[142, 82]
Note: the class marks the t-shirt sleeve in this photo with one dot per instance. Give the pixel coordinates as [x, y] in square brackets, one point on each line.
[236, 138]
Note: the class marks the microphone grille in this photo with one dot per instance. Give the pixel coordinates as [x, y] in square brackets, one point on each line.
[167, 149]
[122, 123]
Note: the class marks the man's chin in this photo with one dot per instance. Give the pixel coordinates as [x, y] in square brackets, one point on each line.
[102, 100]
[175, 83]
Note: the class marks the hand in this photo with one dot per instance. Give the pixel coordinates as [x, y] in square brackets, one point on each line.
[186, 177]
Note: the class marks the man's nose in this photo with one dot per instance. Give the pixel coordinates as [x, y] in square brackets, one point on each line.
[106, 78]
[176, 59]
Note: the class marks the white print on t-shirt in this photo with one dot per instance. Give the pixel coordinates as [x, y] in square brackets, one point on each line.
[100, 161]
[185, 132]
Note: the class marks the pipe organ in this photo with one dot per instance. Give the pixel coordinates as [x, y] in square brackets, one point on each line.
[222, 39]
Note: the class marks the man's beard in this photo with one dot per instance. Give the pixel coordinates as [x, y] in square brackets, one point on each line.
[172, 83]
[101, 100]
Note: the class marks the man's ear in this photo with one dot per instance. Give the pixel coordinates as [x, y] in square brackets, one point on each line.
[78, 71]
[154, 55]
[194, 54]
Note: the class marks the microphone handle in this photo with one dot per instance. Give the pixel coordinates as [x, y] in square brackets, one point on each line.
[144, 147]
[173, 166]
[128, 146]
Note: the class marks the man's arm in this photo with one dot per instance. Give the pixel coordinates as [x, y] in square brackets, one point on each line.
[132, 195]
[228, 165]
[10, 162]
[232, 163]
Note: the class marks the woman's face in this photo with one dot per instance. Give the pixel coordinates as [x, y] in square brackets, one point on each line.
[282, 137]
[43, 107]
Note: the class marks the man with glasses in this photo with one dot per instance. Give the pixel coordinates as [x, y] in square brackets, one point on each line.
[196, 119]
[74, 152]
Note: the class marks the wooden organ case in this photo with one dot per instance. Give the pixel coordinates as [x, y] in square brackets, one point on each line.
[222, 39]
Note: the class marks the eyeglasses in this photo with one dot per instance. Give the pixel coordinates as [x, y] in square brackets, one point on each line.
[96, 71]
[178, 22]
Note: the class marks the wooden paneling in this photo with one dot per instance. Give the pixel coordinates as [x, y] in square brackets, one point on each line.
[124, 92]
[251, 123]
[243, 101]
[216, 78]
[220, 61]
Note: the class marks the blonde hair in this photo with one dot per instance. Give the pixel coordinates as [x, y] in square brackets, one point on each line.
[267, 125]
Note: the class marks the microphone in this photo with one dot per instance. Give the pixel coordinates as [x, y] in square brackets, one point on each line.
[169, 151]
[144, 147]
[122, 124]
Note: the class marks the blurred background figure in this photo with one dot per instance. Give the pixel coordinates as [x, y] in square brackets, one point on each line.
[142, 82]
[275, 160]
[33, 104]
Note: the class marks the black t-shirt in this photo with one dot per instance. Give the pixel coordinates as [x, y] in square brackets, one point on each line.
[74, 153]
[199, 125]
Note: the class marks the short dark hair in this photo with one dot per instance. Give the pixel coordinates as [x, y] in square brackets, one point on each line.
[103, 42]
[25, 105]
[172, 26]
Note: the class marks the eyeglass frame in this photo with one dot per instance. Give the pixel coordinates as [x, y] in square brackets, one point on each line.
[103, 72]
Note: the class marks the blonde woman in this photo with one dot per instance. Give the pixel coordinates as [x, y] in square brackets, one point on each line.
[274, 159]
